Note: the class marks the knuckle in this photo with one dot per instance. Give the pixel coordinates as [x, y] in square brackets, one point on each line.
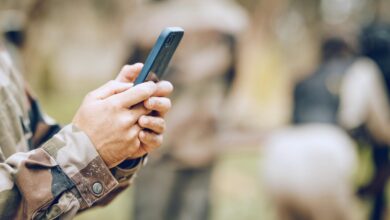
[160, 103]
[137, 112]
[148, 104]
[132, 134]
[114, 103]
[111, 83]
[145, 136]
[153, 103]
[90, 95]
[126, 67]
[146, 91]
[142, 110]
[144, 120]
[158, 140]
[125, 123]
[149, 87]
[142, 92]
[131, 119]
[158, 124]
[106, 105]
[154, 140]
[137, 143]
[132, 114]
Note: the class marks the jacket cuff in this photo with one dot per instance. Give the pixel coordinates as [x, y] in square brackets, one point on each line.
[77, 157]
[127, 169]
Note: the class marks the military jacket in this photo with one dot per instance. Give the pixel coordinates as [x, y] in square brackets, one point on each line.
[46, 171]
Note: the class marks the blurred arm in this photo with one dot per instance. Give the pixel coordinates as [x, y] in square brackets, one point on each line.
[363, 100]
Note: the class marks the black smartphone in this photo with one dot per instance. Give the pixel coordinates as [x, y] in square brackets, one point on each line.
[159, 57]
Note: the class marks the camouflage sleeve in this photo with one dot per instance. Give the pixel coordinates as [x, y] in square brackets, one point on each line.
[62, 177]
[47, 172]
[124, 173]
[43, 128]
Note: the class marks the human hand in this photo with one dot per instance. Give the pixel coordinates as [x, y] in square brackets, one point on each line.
[109, 116]
[153, 125]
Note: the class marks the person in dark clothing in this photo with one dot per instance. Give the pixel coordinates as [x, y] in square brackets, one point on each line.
[297, 172]
[316, 98]
[374, 43]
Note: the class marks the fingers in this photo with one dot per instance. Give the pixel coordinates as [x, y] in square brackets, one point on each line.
[155, 124]
[134, 95]
[110, 88]
[159, 104]
[164, 88]
[124, 81]
[146, 142]
[133, 134]
[129, 73]
[135, 113]
[149, 140]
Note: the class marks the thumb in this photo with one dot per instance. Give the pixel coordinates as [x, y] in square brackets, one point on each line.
[112, 87]
[129, 73]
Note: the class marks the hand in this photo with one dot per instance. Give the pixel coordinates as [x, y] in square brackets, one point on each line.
[109, 115]
[153, 125]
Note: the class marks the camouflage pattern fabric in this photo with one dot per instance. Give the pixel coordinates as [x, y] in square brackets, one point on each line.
[47, 172]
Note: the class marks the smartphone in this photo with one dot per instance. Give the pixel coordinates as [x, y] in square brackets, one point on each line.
[158, 59]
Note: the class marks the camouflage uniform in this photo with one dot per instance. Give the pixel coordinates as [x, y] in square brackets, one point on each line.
[47, 172]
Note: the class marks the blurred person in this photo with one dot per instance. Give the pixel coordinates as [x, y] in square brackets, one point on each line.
[307, 173]
[365, 107]
[308, 168]
[316, 98]
[176, 182]
[51, 172]
[12, 27]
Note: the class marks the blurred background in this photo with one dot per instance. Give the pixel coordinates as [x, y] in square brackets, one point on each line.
[235, 132]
